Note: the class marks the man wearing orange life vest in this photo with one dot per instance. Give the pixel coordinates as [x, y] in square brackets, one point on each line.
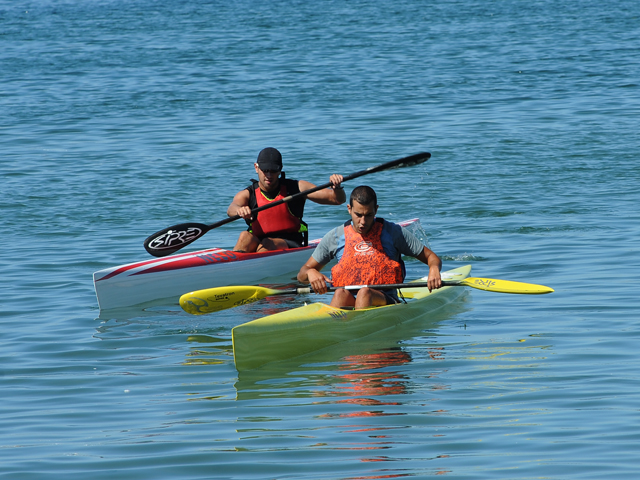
[369, 251]
[280, 227]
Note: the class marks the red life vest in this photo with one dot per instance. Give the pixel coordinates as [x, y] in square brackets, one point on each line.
[364, 262]
[274, 220]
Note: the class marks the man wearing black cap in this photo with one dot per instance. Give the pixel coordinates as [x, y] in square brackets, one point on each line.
[280, 227]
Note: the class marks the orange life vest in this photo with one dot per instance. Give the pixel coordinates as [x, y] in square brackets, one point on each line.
[364, 261]
[276, 220]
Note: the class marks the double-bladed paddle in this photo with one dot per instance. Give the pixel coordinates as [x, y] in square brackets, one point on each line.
[221, 298]
[171, 239]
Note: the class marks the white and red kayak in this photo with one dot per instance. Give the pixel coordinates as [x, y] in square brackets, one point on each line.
[167, 278]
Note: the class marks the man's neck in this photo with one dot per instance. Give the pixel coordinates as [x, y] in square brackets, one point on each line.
[275, 190]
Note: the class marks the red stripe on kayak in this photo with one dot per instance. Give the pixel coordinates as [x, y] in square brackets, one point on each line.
[224, 256]
[169, 259]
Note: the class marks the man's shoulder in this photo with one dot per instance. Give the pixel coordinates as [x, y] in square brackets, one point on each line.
[398, 234]
[253, 186]
[335, 232]
[328, 246]
[388, 223]
[391, 226]
[292, 185]
[331, 239]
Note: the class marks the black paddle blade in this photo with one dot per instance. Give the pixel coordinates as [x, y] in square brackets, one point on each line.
[412, 160]
[409, 161]
[170, 240]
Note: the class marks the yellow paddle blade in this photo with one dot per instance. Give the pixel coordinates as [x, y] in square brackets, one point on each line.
[505, 286]
[220, 298]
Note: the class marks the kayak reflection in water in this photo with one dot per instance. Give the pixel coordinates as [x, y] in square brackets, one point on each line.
[369, 252]
[280, 227]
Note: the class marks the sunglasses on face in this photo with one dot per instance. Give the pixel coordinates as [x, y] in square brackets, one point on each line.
[268, 171]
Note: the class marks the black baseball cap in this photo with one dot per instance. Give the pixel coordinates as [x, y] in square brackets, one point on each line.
[269, 159]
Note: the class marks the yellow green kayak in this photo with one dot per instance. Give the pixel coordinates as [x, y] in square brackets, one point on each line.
[303, 330]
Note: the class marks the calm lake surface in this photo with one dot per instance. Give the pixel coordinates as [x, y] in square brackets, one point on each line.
[119, 118]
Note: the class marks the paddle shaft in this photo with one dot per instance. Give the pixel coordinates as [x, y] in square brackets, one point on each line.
[387, 286]
[163, 243]
[487, 284]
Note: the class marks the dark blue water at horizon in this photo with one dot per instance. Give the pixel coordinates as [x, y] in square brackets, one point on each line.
[120, 118]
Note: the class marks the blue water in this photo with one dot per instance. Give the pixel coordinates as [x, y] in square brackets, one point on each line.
[119, 118]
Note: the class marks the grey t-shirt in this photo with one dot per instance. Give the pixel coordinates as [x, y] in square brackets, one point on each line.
[396, 241]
